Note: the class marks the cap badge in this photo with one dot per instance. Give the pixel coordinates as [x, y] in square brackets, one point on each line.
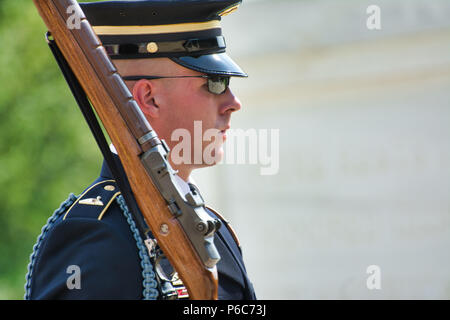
[152, 47]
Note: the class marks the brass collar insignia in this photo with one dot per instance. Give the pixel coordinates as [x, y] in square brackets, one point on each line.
[92, 201]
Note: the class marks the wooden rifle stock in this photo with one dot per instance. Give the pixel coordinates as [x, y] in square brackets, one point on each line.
[125, 124]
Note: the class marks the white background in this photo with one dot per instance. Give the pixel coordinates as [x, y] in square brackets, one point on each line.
[364, 174]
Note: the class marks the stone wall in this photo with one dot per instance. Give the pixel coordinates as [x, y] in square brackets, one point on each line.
[364, 158]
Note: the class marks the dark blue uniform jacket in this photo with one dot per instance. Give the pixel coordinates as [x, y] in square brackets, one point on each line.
[99, 241]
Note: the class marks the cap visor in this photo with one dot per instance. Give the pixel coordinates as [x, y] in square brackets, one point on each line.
[216, 63]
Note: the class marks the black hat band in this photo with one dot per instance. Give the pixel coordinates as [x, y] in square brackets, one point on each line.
[166, 48]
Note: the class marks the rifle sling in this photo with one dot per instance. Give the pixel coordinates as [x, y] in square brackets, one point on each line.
[86, 109]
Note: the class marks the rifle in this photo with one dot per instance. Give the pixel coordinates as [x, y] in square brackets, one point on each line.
[182, 227]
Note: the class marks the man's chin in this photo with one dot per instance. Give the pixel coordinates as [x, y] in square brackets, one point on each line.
[215, 157]
[209, 160]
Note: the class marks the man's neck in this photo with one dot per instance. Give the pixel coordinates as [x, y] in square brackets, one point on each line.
[184, 177]
[183, 172]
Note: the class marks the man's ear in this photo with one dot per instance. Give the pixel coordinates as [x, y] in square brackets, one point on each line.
[144, 94]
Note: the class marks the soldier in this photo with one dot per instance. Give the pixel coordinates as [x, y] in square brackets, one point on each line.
[172, 56]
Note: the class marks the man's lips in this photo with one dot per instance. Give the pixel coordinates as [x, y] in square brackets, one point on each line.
[224, 132]
[225, 129]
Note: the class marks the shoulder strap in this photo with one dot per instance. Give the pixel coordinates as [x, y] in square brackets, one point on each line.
[94, 201]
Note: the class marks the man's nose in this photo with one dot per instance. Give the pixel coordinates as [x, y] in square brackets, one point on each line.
[230, 103]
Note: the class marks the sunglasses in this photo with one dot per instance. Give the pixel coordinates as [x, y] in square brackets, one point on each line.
[216, 84]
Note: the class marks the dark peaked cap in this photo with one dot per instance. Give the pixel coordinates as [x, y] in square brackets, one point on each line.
[186, 31]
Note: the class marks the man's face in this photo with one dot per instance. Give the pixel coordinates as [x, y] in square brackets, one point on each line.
[183, 106]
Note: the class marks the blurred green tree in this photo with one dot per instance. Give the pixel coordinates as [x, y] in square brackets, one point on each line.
[46, 149]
